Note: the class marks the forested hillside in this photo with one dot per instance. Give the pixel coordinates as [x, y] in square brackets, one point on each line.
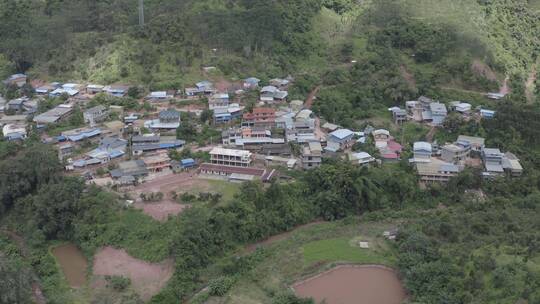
[434, 41]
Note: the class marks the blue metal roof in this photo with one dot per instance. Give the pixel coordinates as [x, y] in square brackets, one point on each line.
[116, 153]
[15, 136]
[187, 161]
[170, 145]
[342, 133]
[252, 80]
[84, 135]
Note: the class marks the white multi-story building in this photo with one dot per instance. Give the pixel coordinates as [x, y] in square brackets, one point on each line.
[230, 157]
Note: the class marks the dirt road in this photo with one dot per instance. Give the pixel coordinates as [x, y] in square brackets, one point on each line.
[311, 97]
[167, 183]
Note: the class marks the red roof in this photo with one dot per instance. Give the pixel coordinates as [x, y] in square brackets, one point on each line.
[390, 156]
[394, 146]
[261, 113]
[230, 169]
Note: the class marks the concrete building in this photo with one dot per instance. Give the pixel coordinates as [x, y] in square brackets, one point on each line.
[477, 143]
[16, 79]
[96, 114]
[133, 168]
[251, 83]
[312, 155]
[142, 144]
[168, 120]
[54, 115]
[259, 117]
[340, 140]
[94, 88]
[493, 162]
[438, 113]
[361, 158]
[436, 171]
[399, 116]
[14, 131]
[422, 152]
[455, 153]
[218, 100]
[230, 157]
[511, 165]
[157, 163]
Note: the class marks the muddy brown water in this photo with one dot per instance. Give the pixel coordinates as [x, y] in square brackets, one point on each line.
[73, 264]
[370, 284]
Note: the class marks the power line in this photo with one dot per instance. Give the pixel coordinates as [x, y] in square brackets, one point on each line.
[141, 13]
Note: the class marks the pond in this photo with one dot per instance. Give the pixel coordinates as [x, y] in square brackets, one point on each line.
[73, 264]
[352, 284]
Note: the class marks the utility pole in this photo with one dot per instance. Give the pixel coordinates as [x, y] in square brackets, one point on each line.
[141, 13]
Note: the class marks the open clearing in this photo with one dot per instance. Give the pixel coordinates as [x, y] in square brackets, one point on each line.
[342, 249]
[168, 183]
[147, 279]
[160, 211]
[187, 182]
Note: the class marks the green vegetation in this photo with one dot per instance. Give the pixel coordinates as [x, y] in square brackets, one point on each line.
[340, 250]
[15, 276]
[117, 283]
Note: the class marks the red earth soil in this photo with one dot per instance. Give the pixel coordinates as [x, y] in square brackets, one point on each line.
[369, 284]
[161, 211]
[147, 279]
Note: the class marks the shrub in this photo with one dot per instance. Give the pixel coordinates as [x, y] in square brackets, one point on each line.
[220, 286]
[117, 283]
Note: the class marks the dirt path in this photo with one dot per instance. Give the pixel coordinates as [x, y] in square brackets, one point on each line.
[530, 84]
[505, 88]
[409, 78]
[277, 237]
[311, 97]
[462, 90]
[37, 292]
[431, 133]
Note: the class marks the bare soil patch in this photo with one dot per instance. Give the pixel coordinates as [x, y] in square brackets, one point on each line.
[482, 69]
[168, 183]
[311, 97]
[349, 284]
[505, 87]
[529, 84]
[161, 211]
[179, 183]
[409, 78]
[224, 85]
[147, 279]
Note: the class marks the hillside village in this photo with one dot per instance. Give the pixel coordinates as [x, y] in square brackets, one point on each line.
[272, 152]
[111, 144]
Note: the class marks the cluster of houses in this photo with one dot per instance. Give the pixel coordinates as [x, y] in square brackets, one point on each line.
[274, 133]
[439, 164]
[426, 110]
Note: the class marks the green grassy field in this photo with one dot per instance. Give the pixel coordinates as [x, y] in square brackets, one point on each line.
[342, 250]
